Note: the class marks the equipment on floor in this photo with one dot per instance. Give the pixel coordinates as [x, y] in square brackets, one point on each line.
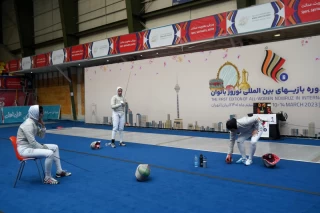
[95, 145]
[270, 160]
[143, 172]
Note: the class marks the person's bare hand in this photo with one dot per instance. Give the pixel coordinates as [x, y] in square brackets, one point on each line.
[41, 122]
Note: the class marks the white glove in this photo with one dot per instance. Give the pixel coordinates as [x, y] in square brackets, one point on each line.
[122, 103]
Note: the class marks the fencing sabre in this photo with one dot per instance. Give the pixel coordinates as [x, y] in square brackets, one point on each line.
[125, 92]
[7, 139]
[72, 164]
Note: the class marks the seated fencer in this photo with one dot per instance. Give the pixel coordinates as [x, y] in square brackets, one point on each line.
[27, 145]
[245, 128]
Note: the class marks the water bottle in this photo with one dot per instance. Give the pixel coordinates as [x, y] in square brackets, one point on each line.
[196, 161]
[204, 162]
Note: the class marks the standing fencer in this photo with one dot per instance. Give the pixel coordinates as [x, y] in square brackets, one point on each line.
[118, 104]
[245, 127]
[27, 145]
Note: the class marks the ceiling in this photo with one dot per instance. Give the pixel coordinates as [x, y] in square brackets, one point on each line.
[285, 33]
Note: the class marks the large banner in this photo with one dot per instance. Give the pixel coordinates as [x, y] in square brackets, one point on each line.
[302, 11]
[10, 82]
[99, 48]
[163, 36]
[25, 63]
[203, 90]
[14, 98]
[18, 114]
[261, 17]
[58, 57]
[76, 53]
[15, 114]
[51, 112]
[206, 28]
[130, 43]
[13, 65]
[41, 60]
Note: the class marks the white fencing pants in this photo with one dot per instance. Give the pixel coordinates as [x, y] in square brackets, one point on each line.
[254, 139]
[118, 119]
[51, 154]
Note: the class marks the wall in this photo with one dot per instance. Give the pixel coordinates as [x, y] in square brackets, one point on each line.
[53, 88]
[151, 86]
[91, 14]
[47, 21]
[49, 48]
[94, 13]
[185, 15]
[104, 35]
[9, 24]
[5, 54]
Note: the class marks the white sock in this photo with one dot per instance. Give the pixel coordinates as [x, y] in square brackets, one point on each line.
[242, 149]
[57, 160]
[113, 134]
[48, 166]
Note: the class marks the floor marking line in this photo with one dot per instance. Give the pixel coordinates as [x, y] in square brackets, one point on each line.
[201, 174]
[174, 141]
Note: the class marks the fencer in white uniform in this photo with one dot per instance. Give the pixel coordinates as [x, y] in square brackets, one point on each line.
[245, 128]
[118, 104]
[27, 145]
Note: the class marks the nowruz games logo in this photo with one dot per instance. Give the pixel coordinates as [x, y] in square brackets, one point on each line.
[272, 66]
[230, 80]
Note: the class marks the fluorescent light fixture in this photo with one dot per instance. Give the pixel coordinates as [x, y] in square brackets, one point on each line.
[277, 35]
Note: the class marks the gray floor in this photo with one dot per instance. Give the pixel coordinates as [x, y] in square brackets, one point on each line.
[294, 152]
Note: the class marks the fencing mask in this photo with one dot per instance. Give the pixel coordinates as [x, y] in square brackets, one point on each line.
[95, 145]
[270, 160]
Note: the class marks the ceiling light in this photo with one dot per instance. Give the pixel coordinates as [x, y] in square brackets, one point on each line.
[277, 35]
